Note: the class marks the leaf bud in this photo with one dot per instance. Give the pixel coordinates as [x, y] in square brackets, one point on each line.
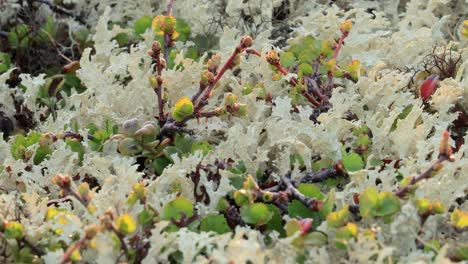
[273, 58]
[246, 42]
[182, 108]
[213, 63]
[346, 26]
[206, 77]
[125, 224]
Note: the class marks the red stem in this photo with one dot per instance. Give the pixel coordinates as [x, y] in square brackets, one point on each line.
[401, 192]
[66, 257]
[200, 104]
[169, 7]
[254, 52]
[340, 43]
[293, 81]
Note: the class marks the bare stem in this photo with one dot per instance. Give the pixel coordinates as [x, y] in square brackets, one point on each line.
[204, 100]
[402, 192]
[293, 82]
[67, 256]
[339, 45]
[169, 8]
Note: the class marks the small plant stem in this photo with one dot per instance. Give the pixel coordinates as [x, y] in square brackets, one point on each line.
[158, 90]
[313, 87]
[402, 192]
[36, 250]
[73, 193]
[75, 246]
[316, 177]
[167, 45]
[121, 237]
[169, 8]
[168, 41]
[204, 100]
[339, 45]
[208, 114]
[293, 82]
[310, 98]
[296, 194]
[254, 52]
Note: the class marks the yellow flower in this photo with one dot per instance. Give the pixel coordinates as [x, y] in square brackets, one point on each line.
[182, 109]
[346, 26]
[165, 25]
[464, 31]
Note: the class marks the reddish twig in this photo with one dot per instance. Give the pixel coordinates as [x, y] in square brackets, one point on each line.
[402, 192]
[66, 258]
[246, 42]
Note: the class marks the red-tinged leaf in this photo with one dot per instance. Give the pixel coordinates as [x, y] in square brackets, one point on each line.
[429, 86]
[306, 224]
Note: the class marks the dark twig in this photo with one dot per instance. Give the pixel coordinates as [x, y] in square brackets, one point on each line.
[402, 192]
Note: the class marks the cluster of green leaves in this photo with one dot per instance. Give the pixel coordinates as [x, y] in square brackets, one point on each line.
[49, 93]
[141, 25]
[307, 53]
[5, 62]
[40, 146]
[145, 140]
[22, 36]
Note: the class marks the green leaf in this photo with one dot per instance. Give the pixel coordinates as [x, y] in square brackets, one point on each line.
[459, 219]
[345, 233]
[296, 158]
[315, 239]
[171, 150]
[125, 224]
[257, 214]
[75, 146]
[183, 142]
[18, 37]
[310, 190]
[13, 229]
[338, 218]
[215, 223]
[184, 30]
[122, 39]
[368, 200]
[18, 148]
[176, 208]
[276, 220]
[372, 203]
[129, 146]
[159, 164]
[388, 204]
[48, 31]
[353, 162]
[288, 60]
[146, 216]
[5, 62]
[328, 203]
[406, 111]
[305, 69]
[41, 154]
[298, 210]
[460, 252]
[202, 146]
[240, 168]
[142, 24]
[292, 226]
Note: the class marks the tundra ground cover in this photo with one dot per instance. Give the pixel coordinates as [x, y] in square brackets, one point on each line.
[289, 131]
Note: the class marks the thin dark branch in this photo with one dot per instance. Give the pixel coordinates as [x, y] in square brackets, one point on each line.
[402, 192]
